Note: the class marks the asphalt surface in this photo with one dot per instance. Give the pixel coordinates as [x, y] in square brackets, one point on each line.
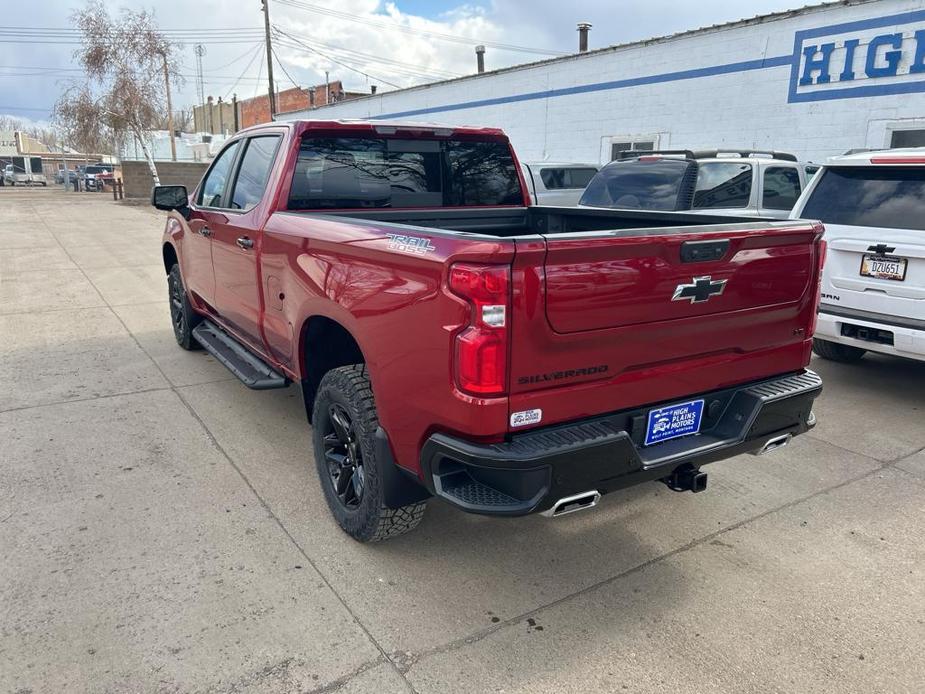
[162, 527]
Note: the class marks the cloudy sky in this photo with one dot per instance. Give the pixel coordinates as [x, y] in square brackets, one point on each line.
[395, 43]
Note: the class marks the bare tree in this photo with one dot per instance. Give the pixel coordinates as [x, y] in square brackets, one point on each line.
[124, 92]
[44, 135]
[182, 120]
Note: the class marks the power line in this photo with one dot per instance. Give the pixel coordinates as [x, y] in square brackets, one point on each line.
[338, 62]
[259, 75]
[256, 50]
[384, 61]
[283, 68]
[412, 30]
[398, 68]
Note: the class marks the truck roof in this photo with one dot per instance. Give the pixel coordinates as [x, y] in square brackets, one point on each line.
[384, 127]
[910, 156]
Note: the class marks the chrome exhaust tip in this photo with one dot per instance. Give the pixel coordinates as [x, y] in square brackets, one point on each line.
[774, 444]
[571, 504]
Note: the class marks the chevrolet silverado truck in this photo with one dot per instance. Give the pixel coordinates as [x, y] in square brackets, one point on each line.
[452, 340]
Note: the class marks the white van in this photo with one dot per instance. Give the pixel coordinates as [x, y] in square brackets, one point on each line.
[873, 285]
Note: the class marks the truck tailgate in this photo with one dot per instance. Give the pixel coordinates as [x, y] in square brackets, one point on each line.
[636, 317]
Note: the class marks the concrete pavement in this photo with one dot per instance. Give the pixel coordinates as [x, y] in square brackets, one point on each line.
[162, 528]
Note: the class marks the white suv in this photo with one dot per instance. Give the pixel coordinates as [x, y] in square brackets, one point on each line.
[873, 285]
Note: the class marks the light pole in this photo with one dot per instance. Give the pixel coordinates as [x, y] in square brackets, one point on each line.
[173, 142]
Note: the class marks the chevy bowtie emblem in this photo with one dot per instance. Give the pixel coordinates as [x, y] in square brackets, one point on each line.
[700, 290]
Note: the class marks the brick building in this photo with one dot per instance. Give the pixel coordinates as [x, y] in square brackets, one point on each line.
[257, 110]
[815, 81]
[218, 117]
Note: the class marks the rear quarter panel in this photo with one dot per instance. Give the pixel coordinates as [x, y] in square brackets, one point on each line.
[396, 305]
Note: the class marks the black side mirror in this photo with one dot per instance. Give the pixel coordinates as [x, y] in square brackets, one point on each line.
[170, 198]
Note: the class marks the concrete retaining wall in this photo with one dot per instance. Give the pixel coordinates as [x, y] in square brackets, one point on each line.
[137, 178]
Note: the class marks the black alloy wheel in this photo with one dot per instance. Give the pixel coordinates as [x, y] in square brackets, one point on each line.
[343, 456]
[182, 317]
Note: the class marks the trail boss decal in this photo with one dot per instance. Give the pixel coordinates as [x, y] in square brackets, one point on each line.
[562, 375]
[417, 245]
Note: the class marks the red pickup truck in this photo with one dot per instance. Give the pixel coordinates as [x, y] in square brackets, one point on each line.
[451, 340]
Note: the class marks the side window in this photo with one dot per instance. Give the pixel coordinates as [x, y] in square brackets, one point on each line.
[723, 185]
[553, 179]
[811, 170]
[213, 187]
[253, 172]
[781, 188]
[579, 178]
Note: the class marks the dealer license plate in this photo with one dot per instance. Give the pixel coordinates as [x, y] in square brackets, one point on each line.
[673, 421]
[883, 267]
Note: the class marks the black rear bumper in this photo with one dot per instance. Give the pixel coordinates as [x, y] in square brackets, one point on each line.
[531, 471]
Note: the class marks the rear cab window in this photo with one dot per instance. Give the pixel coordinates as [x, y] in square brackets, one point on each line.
[891, 197]
[640, 184]
[376, 172]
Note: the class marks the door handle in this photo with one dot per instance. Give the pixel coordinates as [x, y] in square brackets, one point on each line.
[205, 231]
[244, 242]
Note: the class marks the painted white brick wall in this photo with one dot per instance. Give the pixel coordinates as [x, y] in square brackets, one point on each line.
[741, 109]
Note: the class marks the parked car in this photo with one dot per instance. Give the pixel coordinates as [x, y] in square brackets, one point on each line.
[95, 174]
[873, 287]
[24, 171]
[452, 340]
[733, 182]
[557, 184]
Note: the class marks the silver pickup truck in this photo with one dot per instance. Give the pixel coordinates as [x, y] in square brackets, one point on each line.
[718, 182]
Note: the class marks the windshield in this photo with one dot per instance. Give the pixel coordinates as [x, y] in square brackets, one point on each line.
[869, 196]
[638, 184]
[369, 172]
[97, 169]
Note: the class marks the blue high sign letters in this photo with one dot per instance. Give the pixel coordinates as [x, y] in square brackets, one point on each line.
[885, 55]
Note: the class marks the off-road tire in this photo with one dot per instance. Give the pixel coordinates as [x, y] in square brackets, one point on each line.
[838, 352]
[182, 316]
[370, 521]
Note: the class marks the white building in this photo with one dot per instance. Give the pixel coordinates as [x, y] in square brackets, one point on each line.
[815, 81]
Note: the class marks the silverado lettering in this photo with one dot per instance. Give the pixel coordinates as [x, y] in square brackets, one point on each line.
[560, 375]
[408, 352]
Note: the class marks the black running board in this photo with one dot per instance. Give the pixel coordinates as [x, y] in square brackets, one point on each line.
[250, 369]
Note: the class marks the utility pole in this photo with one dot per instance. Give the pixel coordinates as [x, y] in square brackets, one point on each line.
[200, 88]
[173, 141]
[266, 24]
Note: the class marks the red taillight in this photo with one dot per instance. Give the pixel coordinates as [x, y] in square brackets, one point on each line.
[821, 249]
[481, 348]
[897, 160]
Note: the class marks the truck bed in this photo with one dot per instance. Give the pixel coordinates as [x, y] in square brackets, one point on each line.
[506, 222]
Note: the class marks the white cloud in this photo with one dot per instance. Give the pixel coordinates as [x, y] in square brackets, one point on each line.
[372, 45]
